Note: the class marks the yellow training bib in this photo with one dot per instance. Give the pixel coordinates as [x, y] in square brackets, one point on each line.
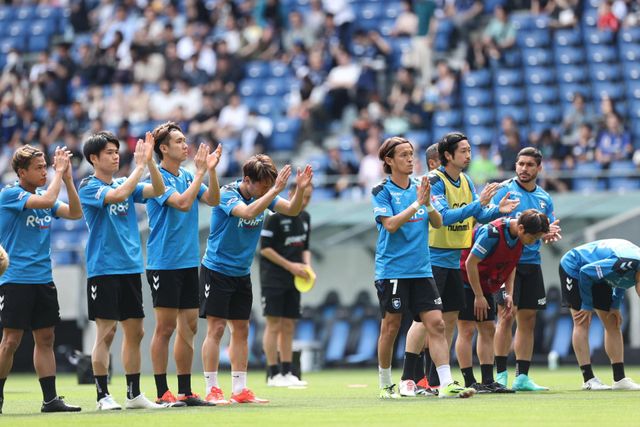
[458, 235]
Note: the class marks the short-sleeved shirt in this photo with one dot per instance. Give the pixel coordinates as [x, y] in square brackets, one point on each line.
[232, 241]
[26, 236]
[173, 236]
[113, 246]
[537, 199]
[289, 237]
[405, 253]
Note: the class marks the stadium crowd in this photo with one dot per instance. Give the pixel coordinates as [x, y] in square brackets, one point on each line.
[130, 65]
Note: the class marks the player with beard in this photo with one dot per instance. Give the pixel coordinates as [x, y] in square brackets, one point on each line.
[528, 292]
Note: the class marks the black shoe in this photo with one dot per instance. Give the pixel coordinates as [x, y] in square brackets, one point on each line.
[194, 400]
[58, 405]
[496, 387]
[480, 388]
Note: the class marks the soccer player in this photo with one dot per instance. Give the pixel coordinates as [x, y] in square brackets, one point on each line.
[225, 283]
[456, 200]
[284, 255]
[28, 296]
[491, 262]
[403, 278]
[114, 259]
[528, 293]
[173, 256]
[595, 276]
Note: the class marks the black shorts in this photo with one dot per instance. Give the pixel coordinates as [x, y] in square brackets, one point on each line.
[25, 306]
[413, 295]
[602, 294]
[115, 297]
[281, 302]
[174, 288]
[450, 288]
[528, 288]
[468, 313]
[225, 296]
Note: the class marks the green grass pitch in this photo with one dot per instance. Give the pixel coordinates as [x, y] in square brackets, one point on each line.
[342, 398]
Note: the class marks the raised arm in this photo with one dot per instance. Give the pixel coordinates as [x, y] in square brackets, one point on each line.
[73, 210]
[184, 201]
[48, 199]
[212, 196]
[156, 188]
[258, 206]
[120, 194]
[294, 206]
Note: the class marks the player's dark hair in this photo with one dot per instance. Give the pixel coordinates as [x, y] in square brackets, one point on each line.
[534, 222]
[530, 152]
[98, 142]
[162, 135]
[449, 144]
[388, 149]
[260, 168]
[431, 153]
[23, 155]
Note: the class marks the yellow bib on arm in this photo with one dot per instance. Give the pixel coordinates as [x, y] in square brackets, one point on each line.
[458, 235]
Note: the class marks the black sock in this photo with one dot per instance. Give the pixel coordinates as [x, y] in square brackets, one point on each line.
[434, 379]
[587, 372]
[409, 368]
[48, 386]
[418, 374]
[101, 386]
[161, 384]
[273, 370]
[2, 381]
[184, 384]
[286, 368]
[487, 373]
[501, 363]
[467, 374]
[133, 385]
[618, 371]
[522, 367]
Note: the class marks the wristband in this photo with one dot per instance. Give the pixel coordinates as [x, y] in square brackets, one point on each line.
[430, 209]
[415, 205]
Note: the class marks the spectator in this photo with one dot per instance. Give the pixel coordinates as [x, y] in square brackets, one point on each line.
[575, 116]
[233, 119]
[607, 21]
[613, 143]
[138, 104]
[509, 152]
[482, 169]
[406, 22]
[297, 32]
[584, 147]
[500, 34]
[370, 173]
[341, 83]
[163, 103]
[314, 18]
[339, 172]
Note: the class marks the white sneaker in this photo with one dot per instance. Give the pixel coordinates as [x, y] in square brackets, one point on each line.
[278, 380]
[595, 384]
[141, 402]
[108, 403]
[625, 384]
[407, 388]
[295, 381]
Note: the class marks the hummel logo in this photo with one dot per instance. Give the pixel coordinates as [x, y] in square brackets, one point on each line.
[156, 282]
[1, 302]
[569, 283]
[94, 292]
[626, 265]
[206, 290]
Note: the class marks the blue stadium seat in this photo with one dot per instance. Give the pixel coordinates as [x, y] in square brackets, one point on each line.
[508, 77]
[512, 58]
[629, 35]
[42, 27]
[605, 72]
[257, 69]
[533, 38]
[6, 14]
[583, 180]
[539, 94]
[590, 18]
[537, 57]
[572, 74]
[564, 37]
[270, 106]
[634, 110]
[305, 330]
[541, 21]
[279, 69]
[522, 21]
[570, 55]
[630, 53]
[601, 54]
[568, 90]
[419, 137]
[509, 95]
[399, 46]
[545, 114]
[9, 43]
[540, 75]
[477, 78]
[336, 348]
[447, 118]
[367, 11]
[480, 134]
[562, 337]
[25, 13]
[16, 29]
[386, 26]
[478, 117]
[595, 36]
[276, 87]
[624, 183]
[444, 35]
[612, 90]
[251, 87]
[392, 9]
[367, 342]
[519, 113]
[47, 12]
[285, 134]
[476, 97]
[38, 43]
[490, 5]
